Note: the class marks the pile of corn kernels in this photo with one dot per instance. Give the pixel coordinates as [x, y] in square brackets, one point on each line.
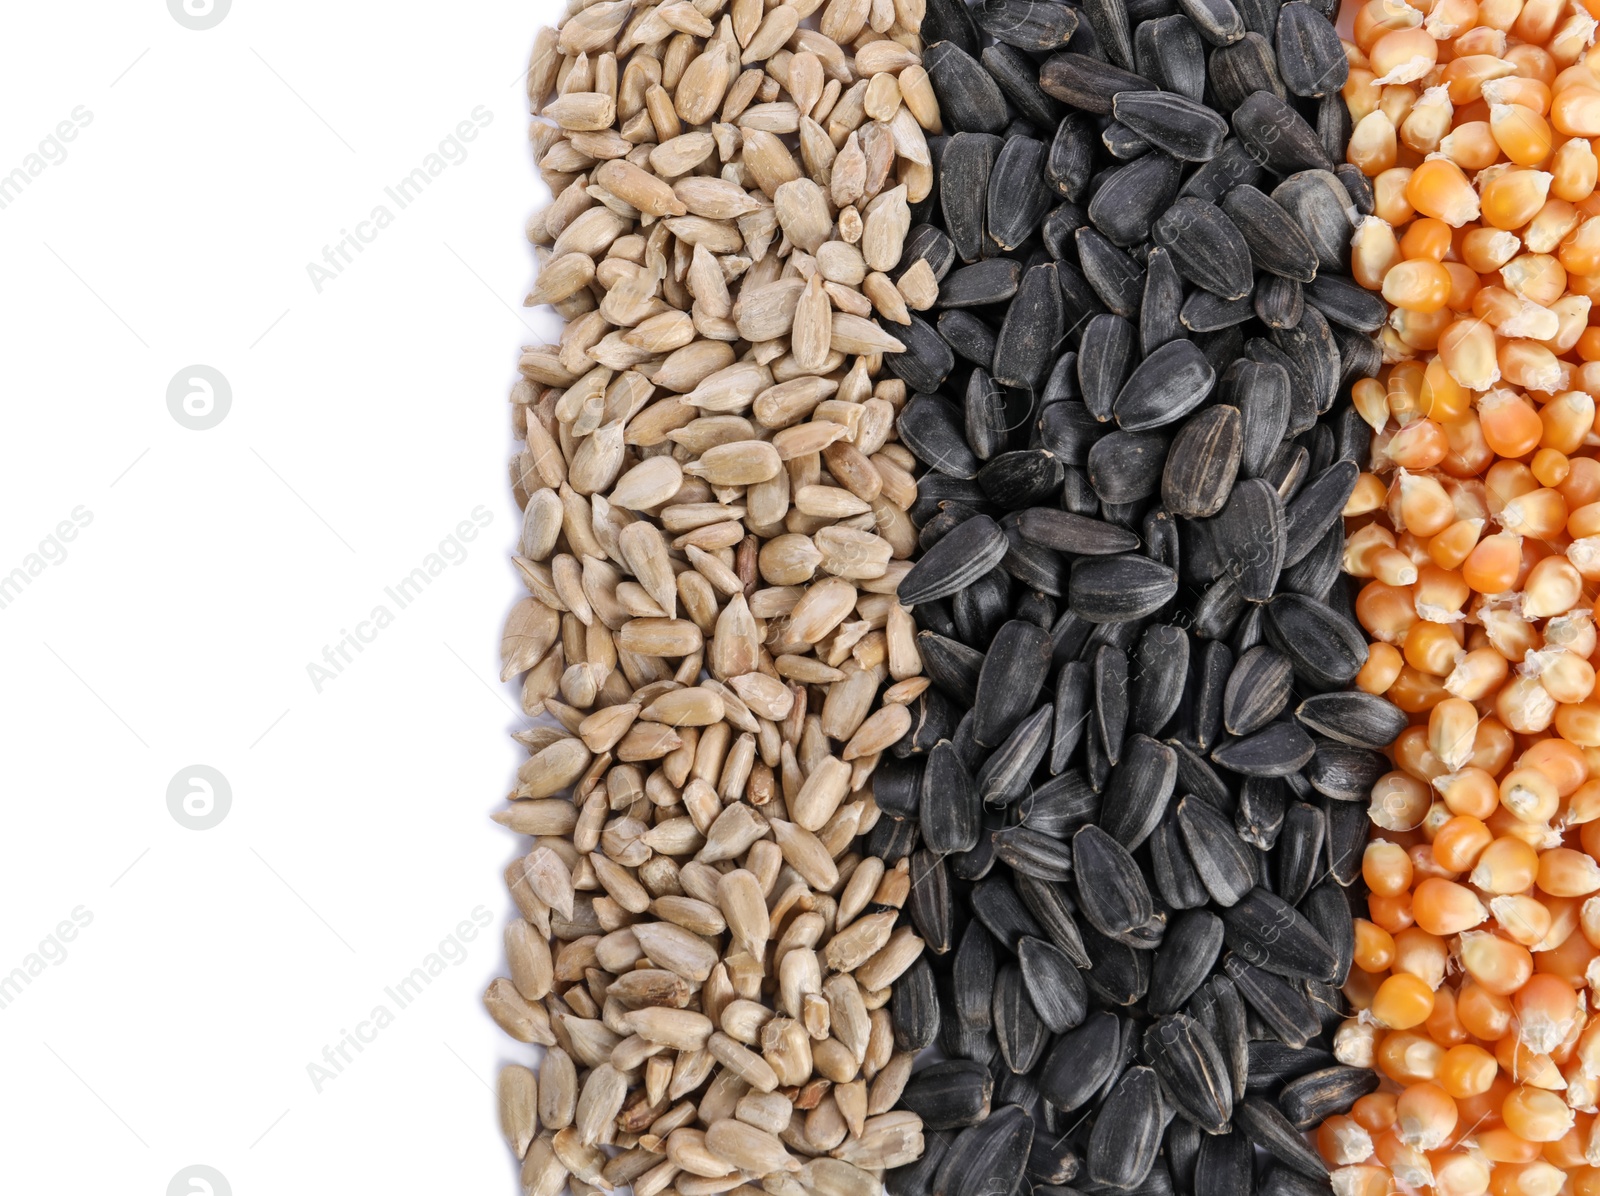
[1477, 539]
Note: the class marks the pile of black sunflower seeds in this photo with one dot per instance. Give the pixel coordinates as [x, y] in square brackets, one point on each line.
[1134, 798]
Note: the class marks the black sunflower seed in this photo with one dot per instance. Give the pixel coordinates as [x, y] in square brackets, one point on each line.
[1283, 1009]
[1204, 312]
[1183, 961]
[1306, 1101]
[1112, 893]
[1177, 53]
[1328, 909]
[1276, 242]
[1127, 466]
[1027, 24]
[1182, 127]
[1022, 1035]
[1004, 777]
[1161, 663]
[1084, 82]
[949, 808]
[968, 97]
[1218, 21]
[1353, 717]
[1207, 248]
[1193, 1074]
[929, 903]
[1111, 700]
[1279, 135]
[1263, 805]
[1018, 197]
[980, 284]
[959, 559]
[988, 1156]
[1220, 860]
[1082, 1061]
[1270, 933]
[1225, 1165]
[1114, 589]
[1174, 873]
[964, 171]
[1310, 57]
[1014, 670]
[1203, 462]
[1278, 750]
[1164, 387]
[1054, 984]
[1326, 648]
[914, 1009]
[927, 360]
[1116, 280]
[1127, 1132]
[1273, 1064]
[1245, 67]
[1269, 1129]
[1136, 798]
[1031, 335]
[1212, 669]
[1105, 356]
[1258, 690]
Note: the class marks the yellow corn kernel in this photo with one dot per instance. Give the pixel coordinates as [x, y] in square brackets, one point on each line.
[1573, 171]
[1439, 189]
[1511, 198]
[1373, 143]
[1522, 134]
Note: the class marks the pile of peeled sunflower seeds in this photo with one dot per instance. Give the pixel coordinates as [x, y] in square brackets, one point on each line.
[1135, 793]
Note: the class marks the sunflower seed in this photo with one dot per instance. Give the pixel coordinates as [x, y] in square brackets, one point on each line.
[1203, 463]
[1279, 136]
[1284, 1009]
[1112, 893]
[1166, 385]
[968, 98]
[1136, 798]
[1087, 83]
[1179, 125]
[1082, 1061]
[1022, 1035]
[1185, 958]
[1343, 772]
[1207, 248]
[1328, 909]
[949, 1095]
[1245, 67]
[1224, 1165]
[1161, 664]
[966, 554]
[1127, 1132]
[1307, 1100]
[1114, 589]
[987, 1157]
[1276, 241]
[1219, 858]
[1269, 1129]
[1114, 278]
[1032, 331]
[1129, 198]
[1193, 1075]
[1105, 356]
[949, 807]
[1027, 24]
[1270, 933]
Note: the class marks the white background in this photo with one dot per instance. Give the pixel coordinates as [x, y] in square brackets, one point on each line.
[366, 422]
